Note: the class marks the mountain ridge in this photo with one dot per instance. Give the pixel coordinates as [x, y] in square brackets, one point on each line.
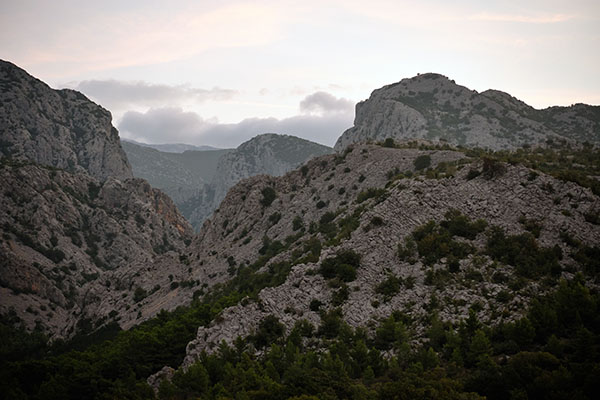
[433, 107]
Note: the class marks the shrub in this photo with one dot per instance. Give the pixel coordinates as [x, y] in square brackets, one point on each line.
[269, 196]
[315, 304]
[342, 266]
[269, 330]
[422, 162]
[370, 193]
[389, 287]
[389, 142]
[274, 218]
[297, 223]
[492, 168]
[139, 294]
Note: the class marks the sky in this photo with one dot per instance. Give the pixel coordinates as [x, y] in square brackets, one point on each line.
[220, 72]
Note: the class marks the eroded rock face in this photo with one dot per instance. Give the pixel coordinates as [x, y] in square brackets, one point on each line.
[235, 234]
[269, 154]
[58, 128]
[82, 242]
[75, 249]
[433, 107]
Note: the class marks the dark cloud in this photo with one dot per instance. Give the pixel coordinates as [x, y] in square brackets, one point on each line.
[170, 125]
[119, 95]
[324, 103]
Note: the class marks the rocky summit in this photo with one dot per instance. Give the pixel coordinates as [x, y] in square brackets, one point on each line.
[433, 107]
[57, 128]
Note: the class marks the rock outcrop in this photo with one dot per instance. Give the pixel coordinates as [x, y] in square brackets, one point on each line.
[433, 107]
[58, 128]
[357, 201]
[82, 243]
[269, 154]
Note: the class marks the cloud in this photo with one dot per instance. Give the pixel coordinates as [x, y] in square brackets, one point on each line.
[117, 95]
[169, 125]
[323, 103]
[536, 19]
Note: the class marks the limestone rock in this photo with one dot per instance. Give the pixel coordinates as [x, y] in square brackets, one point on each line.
[433, 107]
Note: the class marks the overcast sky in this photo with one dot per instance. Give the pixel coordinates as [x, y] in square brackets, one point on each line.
[220, 72]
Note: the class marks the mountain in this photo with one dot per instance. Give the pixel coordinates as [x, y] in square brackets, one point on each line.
[433, 107]
[401, 270]
[59, 128]
[370, 232]
[180, 175]
[171, 147]
[80, 235]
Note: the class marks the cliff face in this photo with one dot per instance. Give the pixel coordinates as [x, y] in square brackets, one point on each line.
[82, 242]
[433, 107]
[57, 128]
[268, 154]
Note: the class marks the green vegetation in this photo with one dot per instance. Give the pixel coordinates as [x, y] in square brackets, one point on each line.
[436, 241]
[370, 193]
[342, 266]
[422, 162]
[269, 195]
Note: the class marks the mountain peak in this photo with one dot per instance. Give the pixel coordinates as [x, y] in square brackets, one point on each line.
[57, 128]
[433, 107]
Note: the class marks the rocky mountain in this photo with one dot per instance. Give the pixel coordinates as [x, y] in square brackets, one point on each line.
[197, 181]
[433, 107]
[269, 154]
[59, 128]
[171, 147]
[181, 175]
[378, 229]
[80, 236]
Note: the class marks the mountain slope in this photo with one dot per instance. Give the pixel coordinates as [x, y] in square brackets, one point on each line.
[364, 202]
[180, 175]
[269, 154]
[82, 243]
[433, 107]
[59, 128]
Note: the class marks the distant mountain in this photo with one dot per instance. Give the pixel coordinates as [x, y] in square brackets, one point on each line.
[58, 128]
[172, 147]
[433, 107]
[180, 175]
[268, 154]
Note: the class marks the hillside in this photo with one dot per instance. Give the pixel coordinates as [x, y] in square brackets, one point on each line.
[79, 235]
[59, 128]
[180, 175]
[433, 107]
[268, 154]
[387, 270]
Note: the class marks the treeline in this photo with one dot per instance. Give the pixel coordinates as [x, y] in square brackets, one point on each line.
[553, 352]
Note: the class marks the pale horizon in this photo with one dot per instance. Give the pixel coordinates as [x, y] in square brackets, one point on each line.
[218, 73]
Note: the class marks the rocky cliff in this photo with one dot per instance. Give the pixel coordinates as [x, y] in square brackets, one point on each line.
[433, 107]
[269, 154]
[83, 243]
[393, 215]
[58, 128]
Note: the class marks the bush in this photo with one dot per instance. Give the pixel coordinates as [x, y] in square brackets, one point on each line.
[297, 223]
[269, 330]
[342, 266]
[139, 294]
[269, 195]
[422, 162]
[370, 193]
[492, 168]
[389, 142]
[389, 287]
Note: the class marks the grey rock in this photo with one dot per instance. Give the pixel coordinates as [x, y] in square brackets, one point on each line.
[433, 107]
